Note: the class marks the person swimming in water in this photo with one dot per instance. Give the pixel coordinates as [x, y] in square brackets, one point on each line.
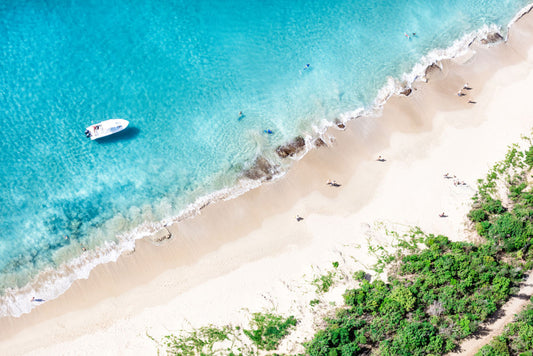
[241, 116]
[307, 67]
[268, 131]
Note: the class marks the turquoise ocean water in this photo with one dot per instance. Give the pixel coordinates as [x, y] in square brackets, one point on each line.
[180, 72]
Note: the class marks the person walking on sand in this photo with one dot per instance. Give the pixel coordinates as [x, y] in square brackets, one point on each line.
[39, 300]
[299, 218]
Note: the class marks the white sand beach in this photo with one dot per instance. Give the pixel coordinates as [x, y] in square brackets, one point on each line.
[250, 254]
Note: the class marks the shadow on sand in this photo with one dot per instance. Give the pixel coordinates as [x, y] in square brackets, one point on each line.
[127, 134]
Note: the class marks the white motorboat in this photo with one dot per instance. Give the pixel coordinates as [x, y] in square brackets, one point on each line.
[106, 128]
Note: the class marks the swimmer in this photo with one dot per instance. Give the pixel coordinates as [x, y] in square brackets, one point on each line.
[406, 35]
[241, 116]
[307, 67]
[269, 131]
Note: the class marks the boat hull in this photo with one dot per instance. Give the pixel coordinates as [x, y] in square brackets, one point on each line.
[106, 128]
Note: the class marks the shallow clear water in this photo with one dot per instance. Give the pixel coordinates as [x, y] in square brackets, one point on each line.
[180, 72]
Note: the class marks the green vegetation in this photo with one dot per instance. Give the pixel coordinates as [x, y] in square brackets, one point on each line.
[510, 228]
[437, 292]
[265, 333]
[268, 330]
[324, 282]
[198, 342]
[314, 302]
[359, 275]
[437, 296]
[517, 338]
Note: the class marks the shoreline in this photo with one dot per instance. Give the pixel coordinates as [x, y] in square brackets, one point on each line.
[57, 281]
[259, 226]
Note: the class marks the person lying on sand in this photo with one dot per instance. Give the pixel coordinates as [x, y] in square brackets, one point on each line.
[333, 183]
[472, 102]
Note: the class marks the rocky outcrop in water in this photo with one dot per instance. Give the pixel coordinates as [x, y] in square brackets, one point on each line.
[340, 124]
[431, 69]
[261, 169]
[492, 37]
[406, 91]
[291, 148]
[318, 142]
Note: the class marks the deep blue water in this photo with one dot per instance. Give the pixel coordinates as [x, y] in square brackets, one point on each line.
[180, 72]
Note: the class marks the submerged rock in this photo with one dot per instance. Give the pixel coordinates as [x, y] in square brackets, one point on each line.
[161, 235]
[431, 69]
[340, 124]
[291, 148]
[492, 37]
[406, 91]
[261, 169]
[318, 142]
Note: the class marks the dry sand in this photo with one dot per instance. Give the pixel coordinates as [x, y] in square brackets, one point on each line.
[251, 253]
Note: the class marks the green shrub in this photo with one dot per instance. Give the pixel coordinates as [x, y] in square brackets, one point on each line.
[324, 282]
[478, 215]
[529, 157]
[412, 339]
[267, 330]
[492, 206]
[510, 231]
[450, 288]
[359, 275]
[199, 341]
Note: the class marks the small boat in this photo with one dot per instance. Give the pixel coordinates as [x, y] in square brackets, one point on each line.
[106, 128]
